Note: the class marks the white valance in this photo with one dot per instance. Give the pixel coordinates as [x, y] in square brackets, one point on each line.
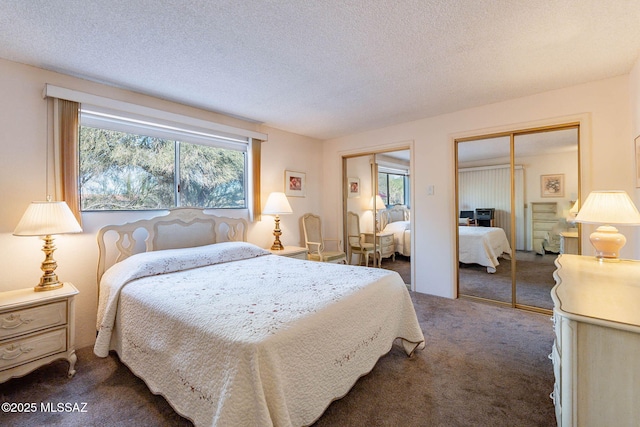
[107, 104]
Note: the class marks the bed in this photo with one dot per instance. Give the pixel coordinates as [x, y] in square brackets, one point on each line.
[230, 334]
[483, 245]
[396, 220]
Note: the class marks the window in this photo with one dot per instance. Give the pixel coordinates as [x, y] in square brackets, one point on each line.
[393, 188]
[132, 164]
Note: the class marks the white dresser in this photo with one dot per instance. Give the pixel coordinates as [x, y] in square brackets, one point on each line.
[543, 218]
[596, 353]
[36, 328]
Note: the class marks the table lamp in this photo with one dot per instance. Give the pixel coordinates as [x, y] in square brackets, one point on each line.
[277, 204]
[379, 204]
[46, 219]
[608, 208]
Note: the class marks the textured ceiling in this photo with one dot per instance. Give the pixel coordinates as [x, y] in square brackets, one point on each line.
[332, 67]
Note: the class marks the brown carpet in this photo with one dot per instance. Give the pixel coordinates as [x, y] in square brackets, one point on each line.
[483, 366]
[402, 265]
[534, 280]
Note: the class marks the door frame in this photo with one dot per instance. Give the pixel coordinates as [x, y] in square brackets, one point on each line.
[582, 122]
[371, 151]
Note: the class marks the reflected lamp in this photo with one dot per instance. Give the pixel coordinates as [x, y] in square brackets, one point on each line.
[45, 219]
[608, 208]
[379, 204]
[277, 204]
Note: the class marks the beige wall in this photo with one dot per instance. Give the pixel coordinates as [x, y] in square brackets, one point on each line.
[634, 90]
[23, 138]
[609, 110]
[607, 162]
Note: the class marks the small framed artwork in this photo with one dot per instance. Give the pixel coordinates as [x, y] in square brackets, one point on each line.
[295, 184]
[637, 140]
[552, 185]
[353, 187]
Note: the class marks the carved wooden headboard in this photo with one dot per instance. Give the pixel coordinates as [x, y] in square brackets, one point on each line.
[393, 214]
[181, 228]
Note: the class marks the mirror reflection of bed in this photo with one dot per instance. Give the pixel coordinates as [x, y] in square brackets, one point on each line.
[396, 221]
[385, 174]
[537, 230]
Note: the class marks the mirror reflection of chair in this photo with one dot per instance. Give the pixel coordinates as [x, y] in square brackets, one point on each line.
[312, 226]
[356, 243]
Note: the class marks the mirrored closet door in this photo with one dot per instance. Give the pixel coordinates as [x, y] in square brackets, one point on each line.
[376, 210]
[517, 194]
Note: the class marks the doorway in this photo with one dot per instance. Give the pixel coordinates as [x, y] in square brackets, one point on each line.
[377, 188]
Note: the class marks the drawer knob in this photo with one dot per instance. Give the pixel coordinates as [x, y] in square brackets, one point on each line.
[13, 321]
[13, 352]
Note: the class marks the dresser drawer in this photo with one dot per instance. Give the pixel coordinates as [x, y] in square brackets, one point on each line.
[557, 328]
[544, 207]
[544, 216]
[26, 349]
[556, 402]
[555, 359]
[20, 322]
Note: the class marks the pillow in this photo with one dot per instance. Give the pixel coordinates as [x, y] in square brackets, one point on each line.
[397, 226]
[170, 260]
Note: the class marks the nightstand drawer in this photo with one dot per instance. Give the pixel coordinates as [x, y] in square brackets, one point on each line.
[32, 347]
[386, 240]
[20, 322]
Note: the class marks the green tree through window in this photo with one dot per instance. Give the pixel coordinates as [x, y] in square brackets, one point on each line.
[391, 188]
[126, 171]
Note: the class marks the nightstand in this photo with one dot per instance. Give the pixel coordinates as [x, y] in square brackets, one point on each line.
[291, 252]
[385, 244]
[36, 328]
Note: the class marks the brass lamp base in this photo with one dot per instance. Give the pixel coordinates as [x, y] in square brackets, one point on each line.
[277, 245]
[49, 280]
[48, 287]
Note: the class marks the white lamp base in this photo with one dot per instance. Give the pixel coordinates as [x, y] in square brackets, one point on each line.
[608, 242]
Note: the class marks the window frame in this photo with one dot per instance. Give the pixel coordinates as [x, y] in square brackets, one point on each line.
[177, 133]
[405, 185]
[65, 146]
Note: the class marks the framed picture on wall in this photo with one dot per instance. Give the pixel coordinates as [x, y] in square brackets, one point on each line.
[295, 184]
[637, 141]
[552, 185]
[353, 187]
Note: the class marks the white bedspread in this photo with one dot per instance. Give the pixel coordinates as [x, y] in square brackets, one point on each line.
[482, 245]
[401, 236]
[264, 340]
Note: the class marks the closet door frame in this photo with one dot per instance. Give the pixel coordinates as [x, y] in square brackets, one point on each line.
[512, 134]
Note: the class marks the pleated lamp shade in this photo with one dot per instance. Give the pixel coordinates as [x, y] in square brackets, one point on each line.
[47, 218]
